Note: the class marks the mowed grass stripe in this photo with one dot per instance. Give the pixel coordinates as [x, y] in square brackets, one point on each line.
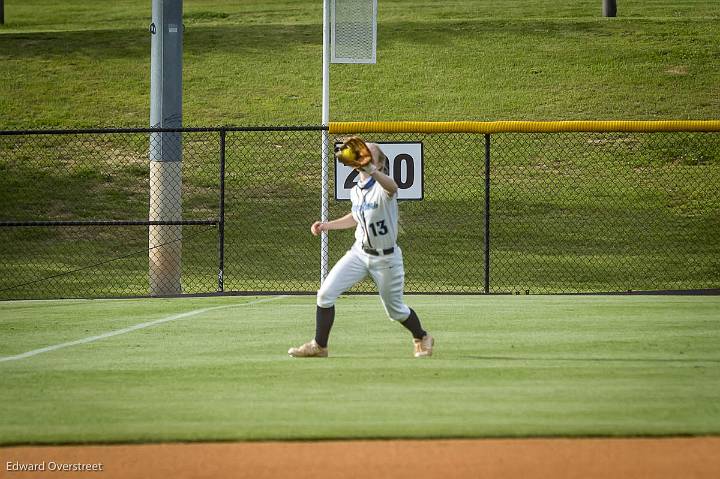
[504, 366]
[105, 335]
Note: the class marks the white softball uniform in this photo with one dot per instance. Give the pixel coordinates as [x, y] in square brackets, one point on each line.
[374, 252]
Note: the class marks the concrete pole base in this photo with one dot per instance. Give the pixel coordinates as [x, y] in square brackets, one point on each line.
[165, 241]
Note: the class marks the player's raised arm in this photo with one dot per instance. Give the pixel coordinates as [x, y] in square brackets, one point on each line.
[343, 223]
[376, 168]
[368, 159]
[385, 181]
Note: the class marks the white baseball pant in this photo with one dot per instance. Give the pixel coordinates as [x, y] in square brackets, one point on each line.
[387, 272]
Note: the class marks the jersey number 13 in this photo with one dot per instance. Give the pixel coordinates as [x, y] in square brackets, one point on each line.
[378, 228]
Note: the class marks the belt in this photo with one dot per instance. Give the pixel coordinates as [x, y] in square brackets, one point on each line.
[375, 252]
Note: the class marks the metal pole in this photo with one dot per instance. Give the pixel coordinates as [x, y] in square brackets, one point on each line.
[487, 214]
[221, 224]
[609, 8]
[2, 12]
[165, 242]
[325, 144]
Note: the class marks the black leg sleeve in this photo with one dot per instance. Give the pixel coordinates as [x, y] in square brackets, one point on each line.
[324, 319]
[413, 325]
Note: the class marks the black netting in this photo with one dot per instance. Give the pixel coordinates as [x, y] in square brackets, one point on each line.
[442, 235]
[577, 212]
[272, 185]
[569, 212]
[98, 261]
[95, 194]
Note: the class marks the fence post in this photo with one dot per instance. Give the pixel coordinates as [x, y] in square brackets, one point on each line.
[487, 214]
[324, 205]
[221, 222]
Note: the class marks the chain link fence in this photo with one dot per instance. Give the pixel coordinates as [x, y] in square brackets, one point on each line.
[98, 213]
[79, 219]
[574, 212]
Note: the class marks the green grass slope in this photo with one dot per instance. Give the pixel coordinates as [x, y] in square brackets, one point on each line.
[81, 63]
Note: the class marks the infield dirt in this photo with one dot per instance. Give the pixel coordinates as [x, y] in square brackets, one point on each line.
[697, 457]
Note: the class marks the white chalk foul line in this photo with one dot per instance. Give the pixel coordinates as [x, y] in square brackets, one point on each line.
[130, 329]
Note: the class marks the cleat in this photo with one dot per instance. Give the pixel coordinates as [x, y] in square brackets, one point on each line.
[309, 350]
[424, 346]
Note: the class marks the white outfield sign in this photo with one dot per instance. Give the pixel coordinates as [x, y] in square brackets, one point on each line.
[405, 166]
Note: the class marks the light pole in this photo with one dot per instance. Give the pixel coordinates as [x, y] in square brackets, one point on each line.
[165, 241]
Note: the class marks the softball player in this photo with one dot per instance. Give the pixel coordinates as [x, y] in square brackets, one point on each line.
[375, 252]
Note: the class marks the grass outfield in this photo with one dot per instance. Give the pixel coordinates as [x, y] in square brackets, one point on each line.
[504, 366]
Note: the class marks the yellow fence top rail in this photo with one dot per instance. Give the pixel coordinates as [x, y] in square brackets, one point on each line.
[524, 126]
